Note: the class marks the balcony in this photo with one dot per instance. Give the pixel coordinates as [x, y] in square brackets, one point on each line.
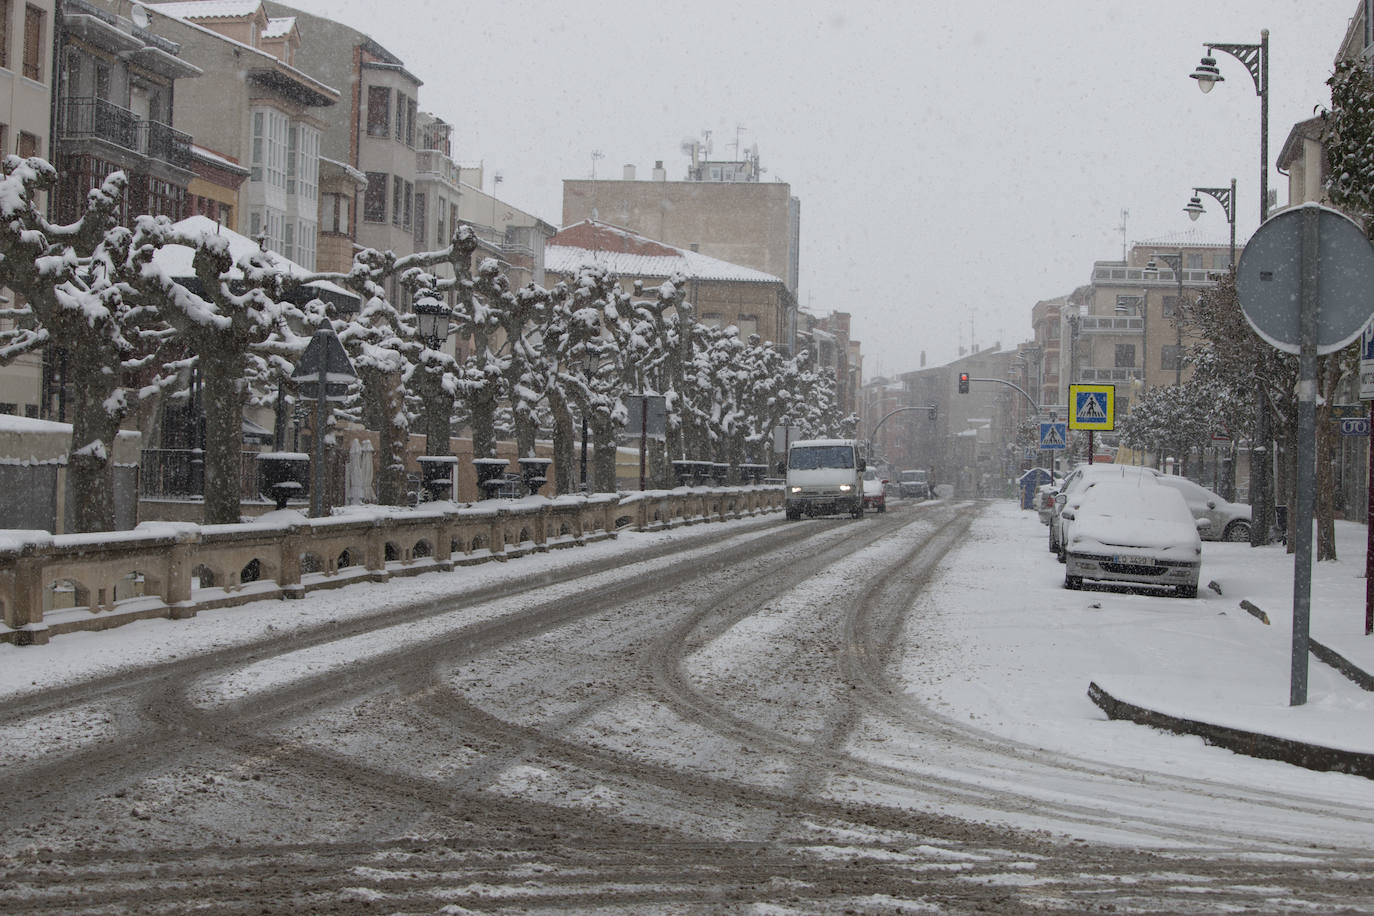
[97, 119]
[1104, 324]
[1094, 375]
[434, 165]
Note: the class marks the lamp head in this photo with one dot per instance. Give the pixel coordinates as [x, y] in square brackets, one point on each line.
[1194, 208]
[1207, 74]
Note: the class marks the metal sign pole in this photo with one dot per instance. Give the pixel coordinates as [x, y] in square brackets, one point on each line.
[317, 488]
[1369, 530]
[643, 439]
[1307, 447]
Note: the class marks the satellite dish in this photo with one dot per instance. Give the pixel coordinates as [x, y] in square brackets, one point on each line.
[139, 16]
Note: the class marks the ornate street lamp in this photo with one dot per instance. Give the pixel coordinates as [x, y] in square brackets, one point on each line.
[1256, 61]
[432, 317]
[1224, 196]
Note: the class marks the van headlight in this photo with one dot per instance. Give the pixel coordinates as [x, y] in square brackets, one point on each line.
[846, 487]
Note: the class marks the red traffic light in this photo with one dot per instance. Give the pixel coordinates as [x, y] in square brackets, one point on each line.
[963, 383]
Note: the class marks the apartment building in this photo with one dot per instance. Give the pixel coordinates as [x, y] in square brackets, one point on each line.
[722, 210]
[1121, 328]
[26, 32]
[258, 110]
[723, 294]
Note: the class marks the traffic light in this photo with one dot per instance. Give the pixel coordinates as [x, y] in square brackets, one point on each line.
[963, 383]
[933, 411]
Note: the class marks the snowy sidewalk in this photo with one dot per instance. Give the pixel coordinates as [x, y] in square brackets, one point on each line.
[1031, 647]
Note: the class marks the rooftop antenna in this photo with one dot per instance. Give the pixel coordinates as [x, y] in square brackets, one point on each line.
[739, 129]
[1122, 229]
[596, 154]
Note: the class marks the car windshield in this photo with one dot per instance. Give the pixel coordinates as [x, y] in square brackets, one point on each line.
[811, 457]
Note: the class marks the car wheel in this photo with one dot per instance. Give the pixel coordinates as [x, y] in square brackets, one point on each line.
[882, 507]
[1073, 583]
[1186, 591]
[1054, 548]
[1237, 531]
[793, 514]
[1061, 555]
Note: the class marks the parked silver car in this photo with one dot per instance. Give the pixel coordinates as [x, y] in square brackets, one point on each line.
[1133, 531]
[1076, 482]
[1229, 521]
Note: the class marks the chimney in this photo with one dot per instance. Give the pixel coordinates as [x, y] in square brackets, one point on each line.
[660, 174]
[629, 172]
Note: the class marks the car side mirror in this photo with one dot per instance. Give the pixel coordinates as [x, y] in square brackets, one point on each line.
[1060, 499]
[1204, 523]
[1067, 514]
[1211, 504]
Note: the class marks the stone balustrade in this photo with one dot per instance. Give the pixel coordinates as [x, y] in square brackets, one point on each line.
[58, 584]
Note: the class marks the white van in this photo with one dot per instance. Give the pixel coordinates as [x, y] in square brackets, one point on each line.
[824, 477]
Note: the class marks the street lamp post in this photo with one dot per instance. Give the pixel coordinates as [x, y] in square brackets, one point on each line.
[1256, 61]
[1175, 262]
[1224, 196]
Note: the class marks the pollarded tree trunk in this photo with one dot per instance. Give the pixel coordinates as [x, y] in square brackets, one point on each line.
[483, 420]
[603, 471]
[438, 409]
[564, 444]
[224, 390]
[95, 425]
[384, 389]
[1326, 485]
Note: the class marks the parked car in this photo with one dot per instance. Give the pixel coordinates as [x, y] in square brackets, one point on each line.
[1134, 531]
[1044, 500]
[1229, 521]
[875, 491]
[913, 485]
[1078, 480]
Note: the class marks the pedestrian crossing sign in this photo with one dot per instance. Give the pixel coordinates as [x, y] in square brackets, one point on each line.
[1092, 407]
[1053, 435]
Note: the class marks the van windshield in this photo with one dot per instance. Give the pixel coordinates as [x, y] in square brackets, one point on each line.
[810, 457]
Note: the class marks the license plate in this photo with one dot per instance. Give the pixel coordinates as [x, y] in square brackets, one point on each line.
[1127, 559]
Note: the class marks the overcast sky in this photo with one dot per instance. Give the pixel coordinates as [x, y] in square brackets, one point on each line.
[955, 162]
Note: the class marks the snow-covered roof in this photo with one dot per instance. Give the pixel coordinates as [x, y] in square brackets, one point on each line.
[631, 255]
[276, 28]
[1188, 238]
[210, 155]
[178, 260]
[209, 9]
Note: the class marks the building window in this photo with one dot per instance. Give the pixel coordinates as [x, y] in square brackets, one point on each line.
[6, 408]
[402, 201]
[1194, 261]
[374, 202]
[288, 242]
[269, 148]
[305, 244]
[1125, 356]
[336, 213]
[33, 43]
[441, 235]
[292, 158]
[31, 411]
[1170, 356]
[400, 117]
[410, 122]
[308, 170]
[378, 111]
[421, 236]
[5, 34]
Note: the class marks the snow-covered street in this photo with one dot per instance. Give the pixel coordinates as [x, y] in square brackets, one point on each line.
[755, 716]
